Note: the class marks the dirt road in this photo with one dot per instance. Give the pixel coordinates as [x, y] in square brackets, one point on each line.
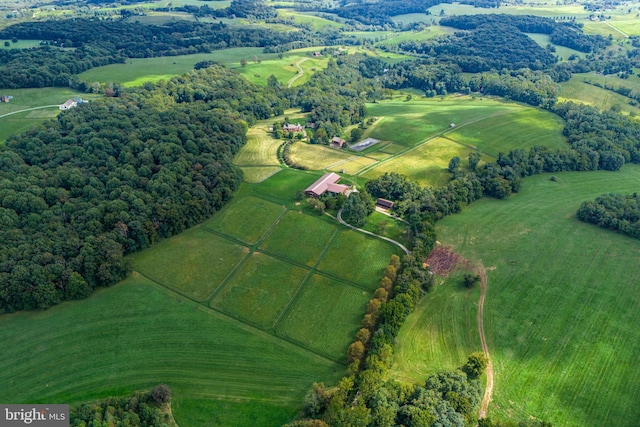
[483, 341]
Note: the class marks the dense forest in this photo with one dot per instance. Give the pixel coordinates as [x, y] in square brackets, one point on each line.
[112, 177]
[616, 212]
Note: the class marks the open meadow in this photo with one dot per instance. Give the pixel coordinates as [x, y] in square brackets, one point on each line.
[561, 306]
[576, 90]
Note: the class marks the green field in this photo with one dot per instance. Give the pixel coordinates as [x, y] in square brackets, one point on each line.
[325, 316]
[562, 301]
[260, 290]
[299, 238]
[440, 334]
[193, 263]
[319, 157]
[364, 266]
[286, 184]
[21, 44]
[136, 335]
[313, 21]
[137, 71]
[246, 220]
[562, 52]
[577, 91]
[260, 149]
[386, 226]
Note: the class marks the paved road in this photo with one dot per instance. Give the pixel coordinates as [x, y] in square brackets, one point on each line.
[400, 245]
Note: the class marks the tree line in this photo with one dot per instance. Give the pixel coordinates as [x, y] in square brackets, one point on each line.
[113, 177]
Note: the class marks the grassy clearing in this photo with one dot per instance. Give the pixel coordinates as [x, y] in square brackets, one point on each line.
[161, 18]
[326, 316]
[284, 69]
[562, 300]
[286, 184]
[299, 238]
[247, 219]
[389, 227]
[260, 149]
[427, 34]
[259, 290]
[363, 266]
[318, 157]
[577, 91]
[524, 129]
[407, 123]
[140, 335]
[21, 44]
[426, 164]
[315, 22]
[256, 174]
[440, 334]
[546, 9]
[193, 263]
[137, 71]
[352, 166]
[563, 52]
[409, 18]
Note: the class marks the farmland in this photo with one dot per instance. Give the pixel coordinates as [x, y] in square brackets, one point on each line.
[559, 312]
[577, 91]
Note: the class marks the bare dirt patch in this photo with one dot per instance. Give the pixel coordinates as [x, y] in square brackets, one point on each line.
[442, 261]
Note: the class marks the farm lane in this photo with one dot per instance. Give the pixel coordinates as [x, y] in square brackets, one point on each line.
[300, 72]
[483, 341]
[400, 245]
[29, 109]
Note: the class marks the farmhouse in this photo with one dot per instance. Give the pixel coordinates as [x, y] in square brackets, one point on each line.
[384, 203]
[290, 127]
[69, 104]
[336, 141]
[327, 182]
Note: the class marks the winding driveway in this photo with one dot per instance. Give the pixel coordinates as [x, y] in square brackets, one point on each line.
[400, 245]
[29, 109]
[300, 72]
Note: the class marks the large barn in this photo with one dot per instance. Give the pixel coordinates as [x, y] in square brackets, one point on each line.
[327, 182]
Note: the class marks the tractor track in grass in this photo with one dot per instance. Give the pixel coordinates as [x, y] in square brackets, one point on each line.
[488, 390]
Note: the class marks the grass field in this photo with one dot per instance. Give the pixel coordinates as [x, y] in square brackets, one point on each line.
[193, 263]
[577, 91]
[315, 22]
[136, 335]
[364, 266]
[325, 316]
[284, 69]
[285, 184]
[256, 174]
[389, 227]
[427, 164]
[260, 149]
[299, 238]
[20, 44]
[318, 157]
[562, 52]
[260, 290]
[353, 165]
[562, 300]
[246, 220]
[137, 71]
[440, 334]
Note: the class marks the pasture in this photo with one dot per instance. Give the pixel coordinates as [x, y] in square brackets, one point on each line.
[299, 238]
[260, 149]
[193, 263]
[313, 21]
[284, 69]
[20, 44]
[137, 71]
[440, 333]
[363, 266]
[247, 220]
[325, 316]
[392, 228]
[560, 51]
[136, 335]
[319, 157]
[576, 90]
[259, 290]
[561, 304]
[286, 184]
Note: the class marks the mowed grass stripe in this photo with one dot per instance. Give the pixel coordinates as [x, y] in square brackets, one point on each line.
[562, 300]
[260, 149]
[152, 339]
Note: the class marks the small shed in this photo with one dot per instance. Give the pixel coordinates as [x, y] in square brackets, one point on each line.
[384, 203]
[336, 141]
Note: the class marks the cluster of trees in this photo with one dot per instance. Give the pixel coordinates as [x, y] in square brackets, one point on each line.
[566, 34]
[615, 212]
[109, 178]
[380, 13]
[427, 75]
[487, 47]
[357, 208]
[531, 87]
[138, 410]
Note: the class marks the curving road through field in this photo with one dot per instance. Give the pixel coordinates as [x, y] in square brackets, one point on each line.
[300, 72]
